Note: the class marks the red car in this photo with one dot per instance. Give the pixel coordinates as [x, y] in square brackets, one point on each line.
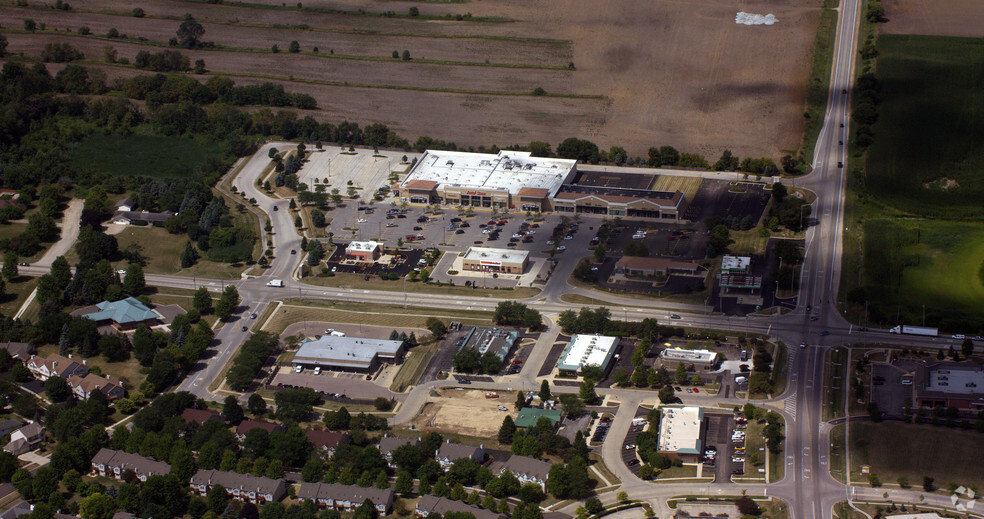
[478, 242]
[517, 361]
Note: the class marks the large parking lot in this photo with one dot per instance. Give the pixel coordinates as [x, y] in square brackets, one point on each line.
[724, 445]
[366, 170]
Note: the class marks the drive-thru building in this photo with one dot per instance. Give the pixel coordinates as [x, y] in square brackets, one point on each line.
[487, 259]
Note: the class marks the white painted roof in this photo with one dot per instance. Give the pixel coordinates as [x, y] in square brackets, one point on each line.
[496, 256]
[587, 350]
[688, 355]
[735, 262]
[955, 379]
[367, 246]
[507, 171]
[679, 430]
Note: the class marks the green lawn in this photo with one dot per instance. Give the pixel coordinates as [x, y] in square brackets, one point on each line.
[916, 451]
[127, 370]
[16, 293]
[930, 126]
[143, 155]
[163, 252]
[816, 99]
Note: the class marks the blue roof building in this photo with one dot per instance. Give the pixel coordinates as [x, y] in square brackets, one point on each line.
[125, 314]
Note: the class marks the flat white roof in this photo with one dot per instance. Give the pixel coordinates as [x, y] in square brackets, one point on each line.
[495, 257]
[689, 355]
[507, 171]
[963, 380]
[331, 350]
[679, 430]
[735, 262]
[366, 246]
[587, 350]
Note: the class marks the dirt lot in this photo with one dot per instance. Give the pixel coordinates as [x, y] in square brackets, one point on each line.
[676, 73]
[952, 18]
[464, 412]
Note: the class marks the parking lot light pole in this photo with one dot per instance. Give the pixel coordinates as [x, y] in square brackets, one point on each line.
[404, 293]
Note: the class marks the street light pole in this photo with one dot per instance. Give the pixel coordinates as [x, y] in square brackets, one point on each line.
[404, 293]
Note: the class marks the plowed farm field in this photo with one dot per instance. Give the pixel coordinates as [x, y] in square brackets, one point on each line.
[646, 72]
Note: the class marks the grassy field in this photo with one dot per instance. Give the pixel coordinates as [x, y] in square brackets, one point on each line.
[908, 264]
[834, 383]
[163, 252]
[928, 154]
[367, 313]
[355, 281]
[916, 451]
[413, 367]
[143, 155]
[16, 293]
[837, 452]
[182, 298]
[816, 97]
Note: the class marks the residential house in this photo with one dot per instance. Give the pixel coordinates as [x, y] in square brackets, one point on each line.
[429, 504]
[327, 440]
[449, 452]
[345, 497]
[127, 204]
[526, 469]
[124, 315]
[55, 365]
[112, 463]
[25, 438]
[243, 487]
[247, 425]
[388, 444]
[83, 387]
[21, 351]
[128, 217]
[9, 426]
[201, 416]
[22, 508]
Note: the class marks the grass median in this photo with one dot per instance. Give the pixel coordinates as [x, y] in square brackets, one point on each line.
[370, 314]
[356, 281]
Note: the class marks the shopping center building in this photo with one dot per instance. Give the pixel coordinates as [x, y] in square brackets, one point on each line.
[518, 181]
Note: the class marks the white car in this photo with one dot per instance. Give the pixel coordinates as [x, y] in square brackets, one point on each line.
[550, 242]
[630, 446]
[568, 237]
[561, 248]
[298, 369]
[503, 408]
[638, 236]
[362, 220]
[958, 336]
[531, 232]
[517, 235]
[486, 231]
[317, 370]
[121, 272]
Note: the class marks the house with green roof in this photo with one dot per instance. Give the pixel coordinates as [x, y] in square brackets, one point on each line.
[124, 315]
[528, 416]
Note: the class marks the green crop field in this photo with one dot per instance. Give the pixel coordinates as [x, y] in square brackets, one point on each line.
[143, 155]
[908, 264]
[928, 152]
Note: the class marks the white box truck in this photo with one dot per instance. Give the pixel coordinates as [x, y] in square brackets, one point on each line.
[915, 330]
[275, 283]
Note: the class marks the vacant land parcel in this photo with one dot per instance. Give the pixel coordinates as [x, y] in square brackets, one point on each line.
[931, 17]
[638, 73]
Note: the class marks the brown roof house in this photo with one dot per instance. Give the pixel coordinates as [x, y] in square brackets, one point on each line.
[25, 439]
[526, 469]
[248, 425]
[128, 217]
[345, 497]
[449, 452]
[326, 440]
[200, 416]
[243, 487]
[55, 365]
[112, 463]
[429, 504]
[388, 444]
[83, 387]
[21, 351]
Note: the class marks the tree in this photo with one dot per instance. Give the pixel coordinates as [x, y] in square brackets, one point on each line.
[587, 391]
[134, 283]
[406, 55]
[727, 162]
[217, 499]
[9, 269]
[294, 47]
[593, 505]
[967, 348]
[257, 405]
[404, 483]
[622, 496]
[746, 506]
[666, 395]
[232, 410]
[297, 222]
[520, 400]
[436, 327]
[56, 388]
[190, 32]
[680, 375]
[189, 256]
[98, 506]
[544, 391]
[202, 301]
[227, 303]
[507, 430]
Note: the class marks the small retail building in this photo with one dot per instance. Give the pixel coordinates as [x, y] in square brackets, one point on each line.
[347, 353]
[702, 359]
[681, 432]
[364, 251]
[587, 350]
[124, 315]
[497, 340]
[488, 259]
[736, 274]
[654, 267]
